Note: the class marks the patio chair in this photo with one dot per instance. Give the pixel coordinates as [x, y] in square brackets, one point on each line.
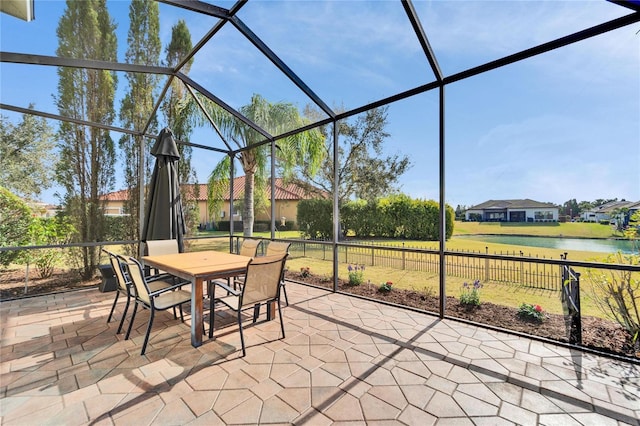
[153, 300]
[123, 287]
[249, 248]
[261, 286]
[160, 247]
[279, 248]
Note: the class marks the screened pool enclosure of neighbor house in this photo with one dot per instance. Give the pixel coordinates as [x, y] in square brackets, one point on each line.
[456, 80]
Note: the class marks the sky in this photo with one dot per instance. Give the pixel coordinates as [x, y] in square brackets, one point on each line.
[562, 125]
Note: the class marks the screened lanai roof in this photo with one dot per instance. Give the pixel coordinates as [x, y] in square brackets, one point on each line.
[334, 55]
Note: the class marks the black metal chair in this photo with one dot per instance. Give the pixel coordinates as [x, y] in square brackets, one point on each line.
[123, 287]
[153, 300]
[279, 248]
[261, 286]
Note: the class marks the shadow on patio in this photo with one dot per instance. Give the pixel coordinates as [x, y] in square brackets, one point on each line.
[343, 360]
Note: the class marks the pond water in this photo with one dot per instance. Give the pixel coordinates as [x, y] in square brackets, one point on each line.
[579, 244]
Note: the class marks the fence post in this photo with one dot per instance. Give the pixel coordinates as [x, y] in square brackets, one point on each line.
[486, 265]
[404, 258]
[373, 256]
[521, 268]
[576, 323]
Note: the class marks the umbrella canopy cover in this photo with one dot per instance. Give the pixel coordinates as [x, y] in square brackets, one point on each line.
[164, 216]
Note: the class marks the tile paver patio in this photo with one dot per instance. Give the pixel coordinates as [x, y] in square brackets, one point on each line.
[343, 360]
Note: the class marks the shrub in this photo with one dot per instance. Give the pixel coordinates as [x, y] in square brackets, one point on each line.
[470, 295]
[356, 274]
[315, 218]
[617, 293]
[305, 271]
[530, 312]
[385, 287]
[49, 231]
[425, 292]
[15, 220]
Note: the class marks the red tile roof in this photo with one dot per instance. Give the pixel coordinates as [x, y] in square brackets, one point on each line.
[288, 192]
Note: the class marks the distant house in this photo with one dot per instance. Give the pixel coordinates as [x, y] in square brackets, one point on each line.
[286, 201]
[41, 209]
[608, 211]
[513, 211]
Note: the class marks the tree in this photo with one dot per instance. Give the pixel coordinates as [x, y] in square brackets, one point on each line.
[85, 170]
[570, 208]
[137, 106]
[15, 220]
[363, 171]
[276, 118]
[180, 119]
[583, 206]
[27, 159]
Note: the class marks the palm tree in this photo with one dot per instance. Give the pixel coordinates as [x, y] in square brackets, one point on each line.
[276, 119]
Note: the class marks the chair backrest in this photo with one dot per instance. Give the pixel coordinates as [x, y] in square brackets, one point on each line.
[117, 266]
[137, 277]
[249, 247]
[160, 247]
[262, 280]
[277, 247]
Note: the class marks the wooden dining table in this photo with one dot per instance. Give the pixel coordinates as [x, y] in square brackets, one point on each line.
[199, 267]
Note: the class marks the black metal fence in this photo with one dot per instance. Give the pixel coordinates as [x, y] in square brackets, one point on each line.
[516, 270]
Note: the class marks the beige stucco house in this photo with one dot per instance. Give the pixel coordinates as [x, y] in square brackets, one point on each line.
[524, 210]
[287, 197]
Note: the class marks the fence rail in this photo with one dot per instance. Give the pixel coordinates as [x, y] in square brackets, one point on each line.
[522, 269]
[504, 267]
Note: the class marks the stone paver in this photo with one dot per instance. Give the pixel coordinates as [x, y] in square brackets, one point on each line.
[344, 360]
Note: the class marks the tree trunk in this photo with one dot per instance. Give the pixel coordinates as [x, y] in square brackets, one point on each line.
[247, 214]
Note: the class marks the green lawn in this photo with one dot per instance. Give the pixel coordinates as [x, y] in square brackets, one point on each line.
[546, 229]
[500, 293]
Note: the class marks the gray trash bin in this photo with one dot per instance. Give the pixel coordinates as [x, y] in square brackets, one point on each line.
[108, 279]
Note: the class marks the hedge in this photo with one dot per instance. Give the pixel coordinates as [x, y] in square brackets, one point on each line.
[398, 216]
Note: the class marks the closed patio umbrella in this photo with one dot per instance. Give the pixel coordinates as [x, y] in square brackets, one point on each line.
[164, 217]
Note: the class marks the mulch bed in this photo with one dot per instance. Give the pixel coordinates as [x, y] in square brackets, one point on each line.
[597, 333]
[12, 283]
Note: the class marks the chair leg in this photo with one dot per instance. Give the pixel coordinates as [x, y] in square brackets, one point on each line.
[244, 352]
[211, 316]
[181, 314]
[113, 307]
[256, 312]
[124, 314]
[133, 317]
[284, 290]
[281, 320]
[146, 337]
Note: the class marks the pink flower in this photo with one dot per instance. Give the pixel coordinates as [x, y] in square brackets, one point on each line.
[538, 308]
[389, 283]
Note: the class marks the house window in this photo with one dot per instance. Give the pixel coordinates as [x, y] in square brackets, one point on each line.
[543, 215]
[496, 216]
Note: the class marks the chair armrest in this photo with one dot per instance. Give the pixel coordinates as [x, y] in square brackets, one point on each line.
[227, 288]
[157, 277]
[164, 290]
[166, 277]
